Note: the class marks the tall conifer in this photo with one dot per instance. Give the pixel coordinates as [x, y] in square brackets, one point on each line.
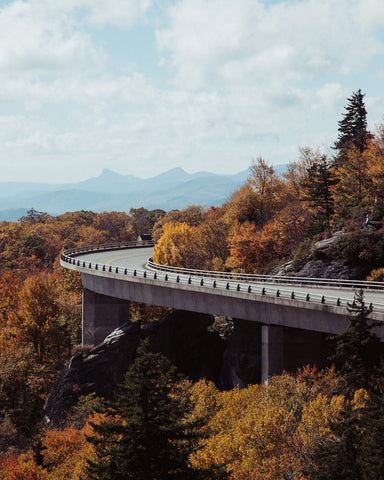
[352, 129]
[318, 185]
[358, 349]
[146, 435]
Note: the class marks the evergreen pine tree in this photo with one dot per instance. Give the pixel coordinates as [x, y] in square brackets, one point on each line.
[338, 457]
[358, 349]
[318, 190]
[372, 446]
[356, 449]
[353, 127]
[146, 435]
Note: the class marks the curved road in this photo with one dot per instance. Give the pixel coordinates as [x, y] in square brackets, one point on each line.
[136, 259]
[133, 258]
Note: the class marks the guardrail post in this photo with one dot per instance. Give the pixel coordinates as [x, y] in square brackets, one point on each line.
[214, 284]
[307, 298]
[293, 295]
[134, 273]
[90, 265]
[84, 264]
[227, 286]
[145, 274]
[249, 289]
[155, 276]
[263, 291]
[166, 277]
[202, 282]
[110, 269]
[323, 299]
[238, 287]
[189, 280]
[278, 293]
[117, 270]
[338, 303]
[178, 278]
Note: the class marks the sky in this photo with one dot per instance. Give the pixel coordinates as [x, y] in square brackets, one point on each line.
[143, 86]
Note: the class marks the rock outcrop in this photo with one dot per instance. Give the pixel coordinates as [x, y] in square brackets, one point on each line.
[183, 337]
[242, 357]
[326, 269]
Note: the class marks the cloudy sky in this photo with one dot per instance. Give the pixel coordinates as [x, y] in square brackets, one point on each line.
[142, 86]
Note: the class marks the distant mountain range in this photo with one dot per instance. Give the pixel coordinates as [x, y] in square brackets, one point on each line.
[113, 192]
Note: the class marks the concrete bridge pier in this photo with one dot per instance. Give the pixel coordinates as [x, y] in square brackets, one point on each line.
[272, 351]
[284, 348]
[101, 315]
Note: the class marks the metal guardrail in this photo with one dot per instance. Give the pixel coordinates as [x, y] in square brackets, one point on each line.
[253, 278]
[244, 283]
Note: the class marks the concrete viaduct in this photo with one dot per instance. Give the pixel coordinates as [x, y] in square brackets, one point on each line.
[293, 313]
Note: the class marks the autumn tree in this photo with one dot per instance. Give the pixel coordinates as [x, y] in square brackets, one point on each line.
[40, 320]
[20, 468]
[255, 250]
[242, 206]
[64, 451]
[191, 216]
[267, 431]
[34, 216]
[23, 386]
[266, 185]
[338, 456]
[178, 247]
[374, 159]
[143, 220]
[352, 193]
[114, 224]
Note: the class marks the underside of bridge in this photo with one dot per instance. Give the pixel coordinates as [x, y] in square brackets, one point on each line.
[273, 348]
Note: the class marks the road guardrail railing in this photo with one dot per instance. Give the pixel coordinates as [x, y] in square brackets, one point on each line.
[252, 284]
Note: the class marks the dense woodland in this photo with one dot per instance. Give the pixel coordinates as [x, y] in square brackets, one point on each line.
[303, 425]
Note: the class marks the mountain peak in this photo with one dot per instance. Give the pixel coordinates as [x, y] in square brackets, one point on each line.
[106, 172]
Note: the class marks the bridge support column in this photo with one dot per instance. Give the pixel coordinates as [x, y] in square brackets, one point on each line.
[272, 351]
[101, 315]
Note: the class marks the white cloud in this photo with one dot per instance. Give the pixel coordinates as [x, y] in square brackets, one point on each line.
[227, 42]
[120, 13]
[251, 78]
[37, 41]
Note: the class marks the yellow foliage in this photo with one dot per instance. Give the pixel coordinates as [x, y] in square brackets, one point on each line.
[360, 399]
[376, 275]
[173, 248]
[316, 418]
[203, 395]
[267, 431]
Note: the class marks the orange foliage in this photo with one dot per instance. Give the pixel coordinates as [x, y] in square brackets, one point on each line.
[20, 468]
[252, 248]
[66, 451]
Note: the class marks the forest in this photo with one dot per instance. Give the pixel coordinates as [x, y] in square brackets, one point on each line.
[303, 425]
